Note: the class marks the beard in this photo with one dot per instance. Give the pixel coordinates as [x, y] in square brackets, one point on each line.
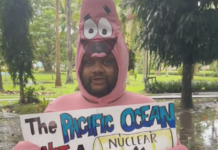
[109, 86]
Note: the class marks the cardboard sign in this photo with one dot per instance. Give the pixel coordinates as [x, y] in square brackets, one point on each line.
[132, 127]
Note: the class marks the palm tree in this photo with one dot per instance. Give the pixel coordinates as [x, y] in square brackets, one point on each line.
[58, 71]
[69, 43]
[132, 27]
[72, 20]
[70, 11]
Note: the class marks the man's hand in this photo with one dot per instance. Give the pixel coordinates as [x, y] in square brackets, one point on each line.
[179, 146]
[26, 146]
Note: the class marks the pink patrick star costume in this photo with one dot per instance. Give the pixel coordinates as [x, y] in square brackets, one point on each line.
[99, 34]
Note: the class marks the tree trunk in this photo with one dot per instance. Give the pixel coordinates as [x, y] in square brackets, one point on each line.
[196, 68]
[47, 66]
[52, 74]
[186, 128]
[22, 98]
[166, 71]
[1, 82]
[127, 79]
[5, 75]
[58, 71]
[186, 101]
[145, 64]
[69, 43]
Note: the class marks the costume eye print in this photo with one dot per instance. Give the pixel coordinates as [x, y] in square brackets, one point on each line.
[90, 29]
[104, 28]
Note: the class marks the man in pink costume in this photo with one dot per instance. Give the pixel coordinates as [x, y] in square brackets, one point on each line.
[101, 65]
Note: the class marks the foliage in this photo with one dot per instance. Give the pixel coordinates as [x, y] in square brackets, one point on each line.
[132, 60]
[201, 73]
[207, 74]
[42, 30]
[22, 109]
[175, 86]
[44, 103]
[180, 70]
[31, 94]
[17, 46]
[133, 73]
[214, 66]
[180, 32]
[4, 103]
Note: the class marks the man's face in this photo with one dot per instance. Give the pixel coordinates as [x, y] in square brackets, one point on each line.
[99, 75]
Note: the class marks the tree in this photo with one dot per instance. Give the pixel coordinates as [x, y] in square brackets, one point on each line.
[70, 12]
[72, 22]
[1, 52]
[1, 64]
[69, 43]
[58, 71]
[1, 81]
[16, 42]
[180, 32]
[42, 30]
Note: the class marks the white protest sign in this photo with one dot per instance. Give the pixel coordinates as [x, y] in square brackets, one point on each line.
[132, 127]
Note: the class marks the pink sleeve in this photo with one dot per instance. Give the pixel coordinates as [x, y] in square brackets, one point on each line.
[179, 146]
[26, 146]
[55, 105]
[49, 108]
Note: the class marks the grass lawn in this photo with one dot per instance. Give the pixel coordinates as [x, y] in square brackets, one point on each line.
[45, 80]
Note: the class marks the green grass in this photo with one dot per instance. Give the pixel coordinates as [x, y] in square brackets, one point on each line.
[45, 80]
[8, 97]
[24, 108]
[137, 85]
[16, 107]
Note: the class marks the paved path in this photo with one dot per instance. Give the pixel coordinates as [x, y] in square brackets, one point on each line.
[10, 131]
[178, 95]
[156, 96]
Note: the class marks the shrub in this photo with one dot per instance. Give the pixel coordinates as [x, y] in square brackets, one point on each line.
[153, 72]
[131, 72]
[156, 87]
[63, 73]
[31, 94]
[173, 73]
[44, 103]
[207, 74]
[180, 70]
[4, 70]
[140, 71]
[176, 87]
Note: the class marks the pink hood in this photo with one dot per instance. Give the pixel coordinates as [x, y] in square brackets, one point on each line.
[99, 15]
